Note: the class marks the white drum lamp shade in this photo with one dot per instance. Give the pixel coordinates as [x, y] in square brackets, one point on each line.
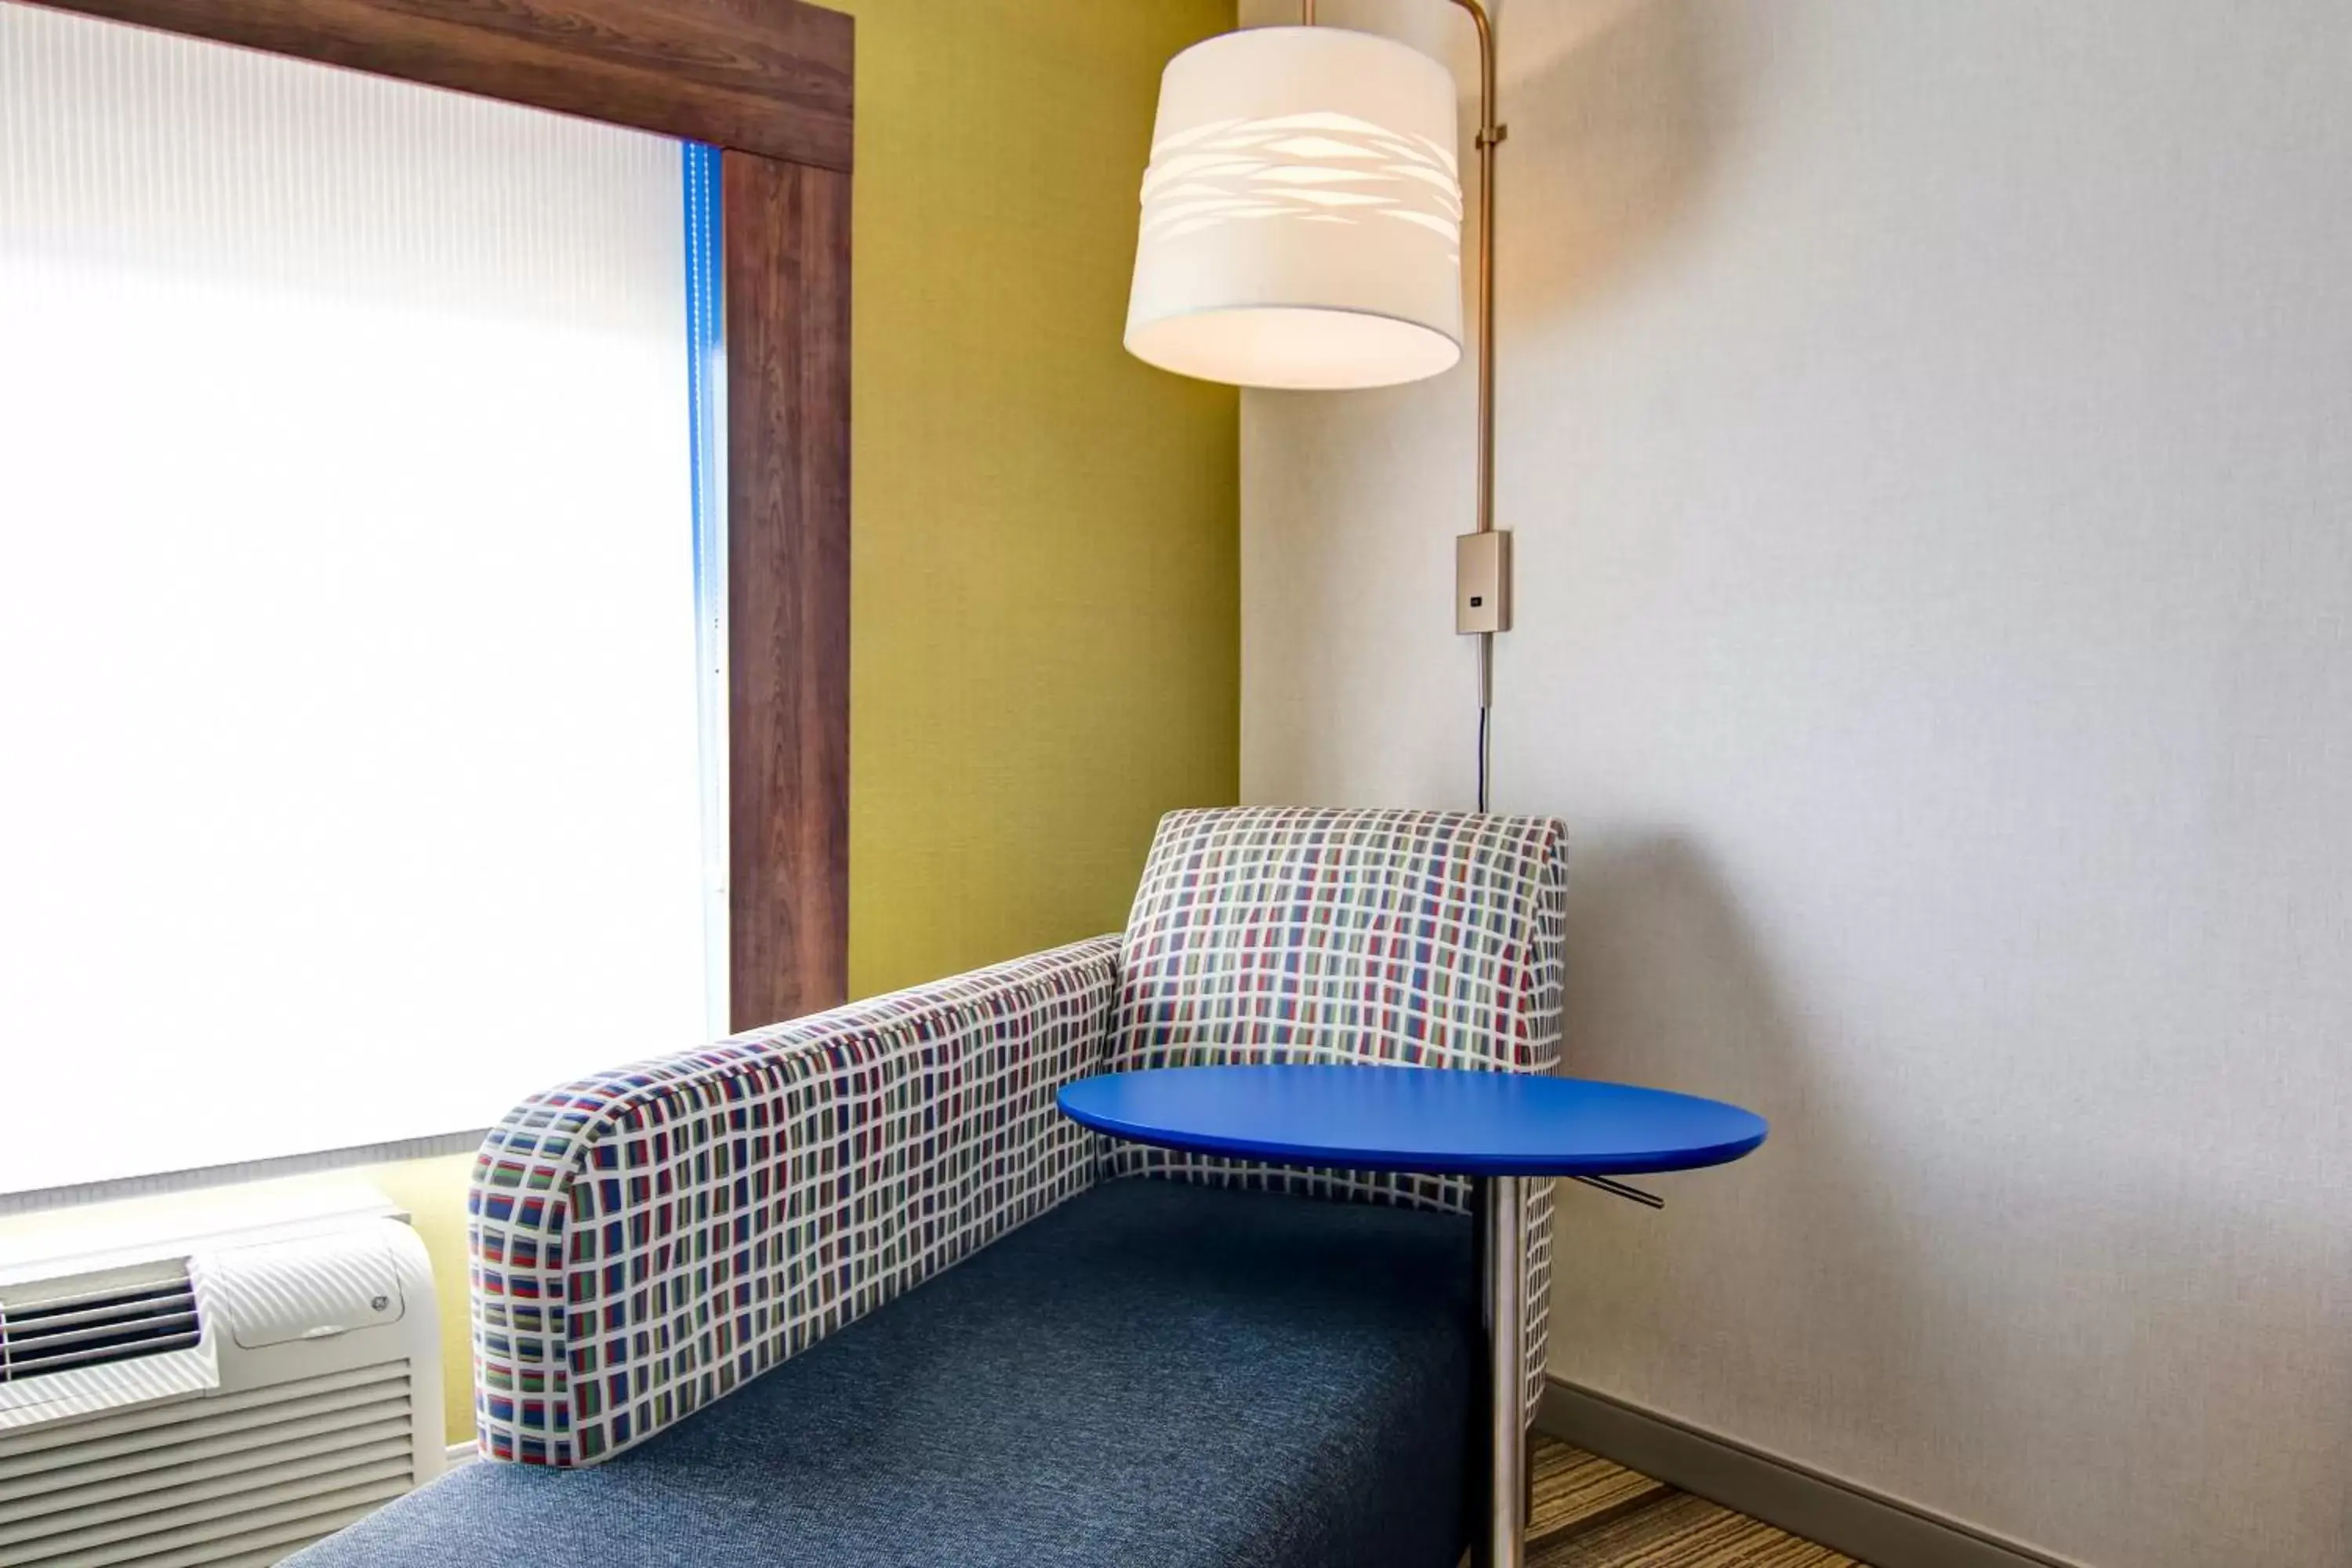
[1302, 214]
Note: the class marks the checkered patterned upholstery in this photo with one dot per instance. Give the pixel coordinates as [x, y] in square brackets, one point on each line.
[1284, 934]
[646, 1240]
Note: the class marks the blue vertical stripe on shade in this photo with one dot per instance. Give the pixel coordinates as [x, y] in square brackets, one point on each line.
[706, 414]
[703, 350]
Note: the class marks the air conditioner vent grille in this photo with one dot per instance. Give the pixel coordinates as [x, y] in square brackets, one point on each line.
[245, 1478]
[97, 1327]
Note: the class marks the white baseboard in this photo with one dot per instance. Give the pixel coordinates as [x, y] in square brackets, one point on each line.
[461, 1454]
[1879, 1530]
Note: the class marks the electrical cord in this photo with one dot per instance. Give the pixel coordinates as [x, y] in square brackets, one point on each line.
[1484, 712]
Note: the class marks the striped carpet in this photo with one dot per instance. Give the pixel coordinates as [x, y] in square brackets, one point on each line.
[1590, 1513]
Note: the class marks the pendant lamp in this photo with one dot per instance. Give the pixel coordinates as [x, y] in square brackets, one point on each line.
[1302, 213]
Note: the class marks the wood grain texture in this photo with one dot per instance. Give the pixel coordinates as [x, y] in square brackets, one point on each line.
[1572, 1490]
[787, 248]
[770, 77]
[1590, 1513]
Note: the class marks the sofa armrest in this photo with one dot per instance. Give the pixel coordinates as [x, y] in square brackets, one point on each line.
[648, 1240]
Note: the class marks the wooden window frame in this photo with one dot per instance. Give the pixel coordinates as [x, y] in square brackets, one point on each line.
[771, 83]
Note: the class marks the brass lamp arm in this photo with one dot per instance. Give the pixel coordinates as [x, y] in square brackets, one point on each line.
[1491, 132]
[1490, 135]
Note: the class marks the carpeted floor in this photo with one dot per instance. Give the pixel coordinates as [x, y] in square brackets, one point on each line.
[1590, 1513]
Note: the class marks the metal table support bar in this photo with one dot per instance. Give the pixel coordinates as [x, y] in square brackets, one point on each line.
[1503, 1250]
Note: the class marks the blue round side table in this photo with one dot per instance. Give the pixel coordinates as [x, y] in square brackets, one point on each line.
[1495, 1127]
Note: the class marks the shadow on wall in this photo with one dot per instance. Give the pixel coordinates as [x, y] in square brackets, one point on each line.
[1668, 985]
[1617, 96]
[1859, 1314]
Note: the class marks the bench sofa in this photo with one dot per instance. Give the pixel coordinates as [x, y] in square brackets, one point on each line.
[849, 1290]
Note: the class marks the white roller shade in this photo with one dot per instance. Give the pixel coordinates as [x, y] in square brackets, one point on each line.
[347, 605]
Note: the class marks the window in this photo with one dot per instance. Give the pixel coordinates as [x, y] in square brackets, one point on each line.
[360, 722]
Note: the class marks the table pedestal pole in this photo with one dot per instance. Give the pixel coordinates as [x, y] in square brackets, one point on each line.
[1502, 1249]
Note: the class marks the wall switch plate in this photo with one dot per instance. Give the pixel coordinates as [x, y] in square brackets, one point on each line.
[1481, 582]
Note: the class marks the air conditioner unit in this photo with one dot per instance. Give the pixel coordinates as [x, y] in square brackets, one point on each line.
[220, 1398]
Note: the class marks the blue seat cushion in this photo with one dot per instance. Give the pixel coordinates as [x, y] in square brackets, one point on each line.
[1155, 1373]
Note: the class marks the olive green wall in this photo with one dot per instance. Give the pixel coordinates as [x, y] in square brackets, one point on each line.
[1045, 600]
[1046, 586]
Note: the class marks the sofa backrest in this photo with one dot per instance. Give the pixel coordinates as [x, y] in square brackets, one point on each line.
[1289, 934]
[1298, 934]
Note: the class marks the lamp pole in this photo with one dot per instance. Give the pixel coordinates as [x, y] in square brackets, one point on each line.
[1491, 132]
[1489, 136]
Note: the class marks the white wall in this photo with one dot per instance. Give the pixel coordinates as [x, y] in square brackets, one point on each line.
[1928, 432]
